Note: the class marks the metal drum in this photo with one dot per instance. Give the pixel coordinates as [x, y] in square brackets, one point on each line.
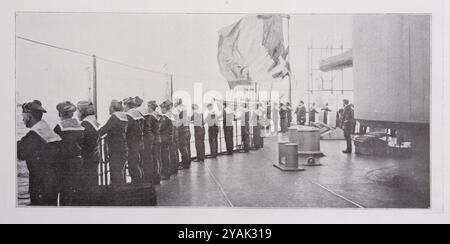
[291, 155]
[308, 139]
[289, 158]
[282, 151]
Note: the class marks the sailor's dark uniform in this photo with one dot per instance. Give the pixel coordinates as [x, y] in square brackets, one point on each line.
[256, 130]
[289, 115]
[245, 130]
[301, 115]
[184, 140]
[283, 120]
[151, 149]
[228, 120]
[90, 151]
[213, 133]
[312, 115]
[174, 153]
[199, 132]
[70, 161]
[116, 140]
[348, 123]
[39, 148]
[135, 139]
[166, 134]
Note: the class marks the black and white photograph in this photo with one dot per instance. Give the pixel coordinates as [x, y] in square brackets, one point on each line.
[244, 110]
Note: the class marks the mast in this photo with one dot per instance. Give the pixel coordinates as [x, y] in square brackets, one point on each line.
[94, 86]
[289, 46]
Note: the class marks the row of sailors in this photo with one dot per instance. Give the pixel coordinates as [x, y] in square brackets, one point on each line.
[64, 161]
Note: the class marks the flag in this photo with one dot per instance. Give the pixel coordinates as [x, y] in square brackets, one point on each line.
[253, 50]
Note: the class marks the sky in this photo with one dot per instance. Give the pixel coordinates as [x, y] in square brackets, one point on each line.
[182, 44]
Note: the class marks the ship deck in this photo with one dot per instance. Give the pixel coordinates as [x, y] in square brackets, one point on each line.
[344, 181]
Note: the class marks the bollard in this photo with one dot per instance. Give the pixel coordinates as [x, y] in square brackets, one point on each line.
[281, 151]
[308, 139]
[291, 162]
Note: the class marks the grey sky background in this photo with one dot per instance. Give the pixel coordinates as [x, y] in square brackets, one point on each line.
[185, 43]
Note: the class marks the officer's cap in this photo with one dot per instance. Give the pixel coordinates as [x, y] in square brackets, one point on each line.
[34, 106]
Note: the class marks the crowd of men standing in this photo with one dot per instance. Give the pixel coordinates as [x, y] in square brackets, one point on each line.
[147, 140]
[63, 162]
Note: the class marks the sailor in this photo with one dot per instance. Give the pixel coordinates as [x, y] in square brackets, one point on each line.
[245, 127]
[199, 133]
[326, 110]
[70, 161]
[275, 117]
[143, 112]
[283, 118]
[135, 140]
[312, 114]
[166, 135]
[256, 140]
[212, 119]
[174, 154]
[301, 113]
[228, 120]
[262, 123]
[268, 116]
[151, 145]
[184, 135]
[39, 148]
[289, 114]
[116, 139]
[348, 125]
[90, 147]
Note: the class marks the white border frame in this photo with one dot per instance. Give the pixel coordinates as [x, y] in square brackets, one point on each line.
[440, 176]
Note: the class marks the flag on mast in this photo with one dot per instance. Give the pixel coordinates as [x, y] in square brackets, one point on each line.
[254, 50]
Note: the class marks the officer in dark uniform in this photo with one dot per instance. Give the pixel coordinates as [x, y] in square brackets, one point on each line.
[151, 145]
[135, 140]
[142, 111]
[245, 128]
[348, 125]
[283, 118]
[199, 132]
[301, 113]
[212, 119]
[116, 131]
[70, 166]
[256, 140]
[289, 114]
[174, 153]
[90, 147]
[312, 114]
[166, 135]
[228, 120]
[184, 134]
[39, 148]
[326, 110]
